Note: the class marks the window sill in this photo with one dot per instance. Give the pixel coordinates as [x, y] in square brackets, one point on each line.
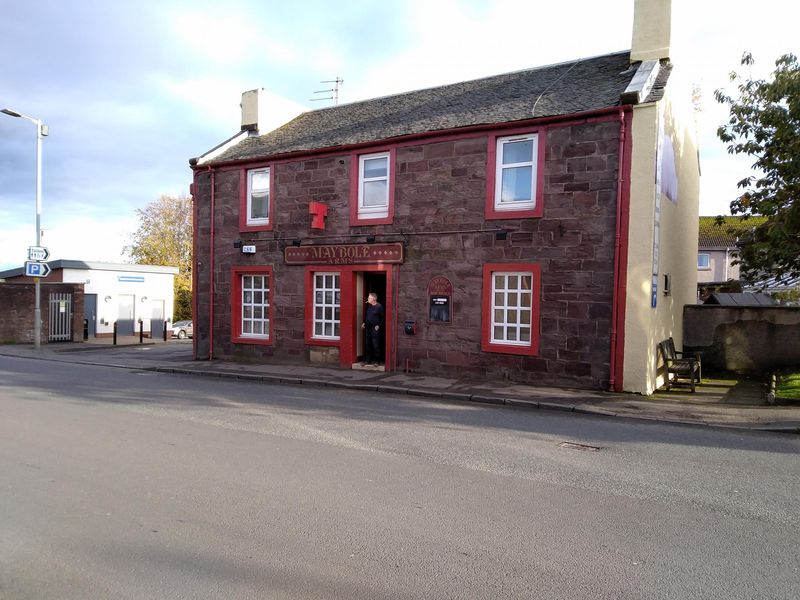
[255, 227]
[524, 213]
[508, 349]
[323, 342]
[256, 341]
[367, 220]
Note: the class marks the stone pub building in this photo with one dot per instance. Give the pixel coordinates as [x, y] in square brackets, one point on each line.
[509, 226]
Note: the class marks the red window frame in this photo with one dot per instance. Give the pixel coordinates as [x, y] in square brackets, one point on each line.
[243, 226]
[236, 305]
[491, 175]
[310, 271]
[487, 318]
[354, 185]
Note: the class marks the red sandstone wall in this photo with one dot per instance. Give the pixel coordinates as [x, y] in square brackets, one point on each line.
[441, 186]
[16, 317]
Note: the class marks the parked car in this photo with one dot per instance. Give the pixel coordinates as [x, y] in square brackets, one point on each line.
[182, 329]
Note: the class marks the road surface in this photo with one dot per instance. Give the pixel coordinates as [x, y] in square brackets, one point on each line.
[118, 483]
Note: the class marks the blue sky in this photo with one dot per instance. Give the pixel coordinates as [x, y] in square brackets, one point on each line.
[131, 91]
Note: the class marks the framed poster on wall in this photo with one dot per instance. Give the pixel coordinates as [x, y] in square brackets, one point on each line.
[440, 300]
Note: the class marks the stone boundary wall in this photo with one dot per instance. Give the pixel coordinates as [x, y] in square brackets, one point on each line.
[753, 339]
[16, 318]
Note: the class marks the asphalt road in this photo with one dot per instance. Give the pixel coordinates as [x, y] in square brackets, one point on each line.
[118, 483]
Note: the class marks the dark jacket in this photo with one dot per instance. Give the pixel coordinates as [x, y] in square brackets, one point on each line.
[374, 315]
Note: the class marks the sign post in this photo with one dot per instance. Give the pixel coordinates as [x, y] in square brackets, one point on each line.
[42, 131]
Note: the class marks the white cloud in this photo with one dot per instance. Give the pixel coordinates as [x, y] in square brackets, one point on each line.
[131, 96]
[709, 39]
[448, 42]
[228, 38]
[76, 238]
[217, 100]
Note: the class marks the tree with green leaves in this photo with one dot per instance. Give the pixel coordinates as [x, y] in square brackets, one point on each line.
[164, 237]
[764, 123]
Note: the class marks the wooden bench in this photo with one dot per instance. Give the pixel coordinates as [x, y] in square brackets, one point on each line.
[679, 364]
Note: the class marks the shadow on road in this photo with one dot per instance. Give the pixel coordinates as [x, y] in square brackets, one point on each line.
[83, 383]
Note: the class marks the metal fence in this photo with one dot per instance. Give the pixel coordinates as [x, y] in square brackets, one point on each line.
[60, 318]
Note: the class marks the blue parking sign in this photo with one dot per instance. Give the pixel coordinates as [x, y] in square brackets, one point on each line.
[36, 269]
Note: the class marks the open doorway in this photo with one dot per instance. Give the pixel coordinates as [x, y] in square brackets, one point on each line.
[371, 282]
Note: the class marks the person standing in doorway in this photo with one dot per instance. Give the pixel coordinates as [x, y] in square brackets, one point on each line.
[373, 323]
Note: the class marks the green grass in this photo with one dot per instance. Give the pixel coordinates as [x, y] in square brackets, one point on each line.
[788, 385]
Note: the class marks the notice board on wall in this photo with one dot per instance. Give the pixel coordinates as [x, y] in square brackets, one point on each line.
[440, 300]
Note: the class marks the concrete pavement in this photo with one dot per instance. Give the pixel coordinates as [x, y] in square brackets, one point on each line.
[720, 402]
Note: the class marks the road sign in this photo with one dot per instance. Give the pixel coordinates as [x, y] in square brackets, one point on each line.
[38, 253]
[36, 269]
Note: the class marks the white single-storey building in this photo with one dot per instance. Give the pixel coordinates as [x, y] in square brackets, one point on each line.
[121, 293]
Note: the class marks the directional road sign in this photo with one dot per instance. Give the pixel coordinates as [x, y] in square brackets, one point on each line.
[36, 269]
[38, 253]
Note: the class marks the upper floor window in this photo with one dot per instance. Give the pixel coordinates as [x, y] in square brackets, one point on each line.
[258, 197]
[515, 173]
[373, 185]
[256, 205]
[703, 261]
[515, 176]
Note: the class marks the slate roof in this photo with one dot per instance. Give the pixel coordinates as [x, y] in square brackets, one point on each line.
[725, 235]
[776, 284]
[744, 299]
[560, 89]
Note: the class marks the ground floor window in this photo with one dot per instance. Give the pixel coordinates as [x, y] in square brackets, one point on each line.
[251, 301]
[327, 306]
[510, 308]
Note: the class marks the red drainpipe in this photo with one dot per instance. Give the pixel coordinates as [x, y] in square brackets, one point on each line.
[193, 194]
[211, 273]
[619, 298]
[396, 313]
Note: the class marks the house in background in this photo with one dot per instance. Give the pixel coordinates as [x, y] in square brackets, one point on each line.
[716, 245]
[716, 271]
[121, 293]
[509, 225]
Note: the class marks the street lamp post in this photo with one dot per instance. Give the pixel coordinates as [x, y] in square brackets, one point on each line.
[41, 132]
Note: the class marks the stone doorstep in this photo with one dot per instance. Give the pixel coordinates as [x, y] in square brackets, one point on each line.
[365, 367]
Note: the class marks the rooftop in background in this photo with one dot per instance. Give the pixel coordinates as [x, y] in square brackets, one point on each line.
[743, 299]
[94, 266]
[560, 89]
[727, 233]
[775, 284]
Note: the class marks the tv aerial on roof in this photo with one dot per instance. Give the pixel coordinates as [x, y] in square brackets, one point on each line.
[334, 91]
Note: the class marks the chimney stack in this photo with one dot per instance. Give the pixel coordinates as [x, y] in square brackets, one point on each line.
[251, 106]
[652, 28]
